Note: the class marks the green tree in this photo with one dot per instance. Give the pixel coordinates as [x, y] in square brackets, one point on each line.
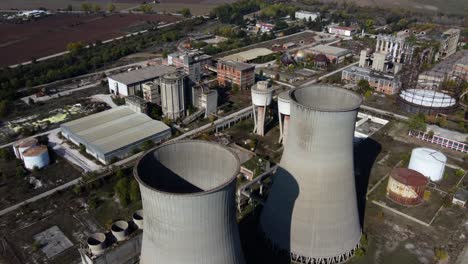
[146, 8]
[417, 122]
[5, 154]
[121, 188]
[134, 191]
[97, 8]
[69, 8]
[75, 47]
[93, 201]
[119, 174]
[20, 172]
[185, 12]
[86, 7]
[459, 173]
[147, 145]
[364, 86]
[111, 8]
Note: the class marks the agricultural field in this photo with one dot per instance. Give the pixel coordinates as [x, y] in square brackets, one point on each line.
[62, 4]
[50, 35]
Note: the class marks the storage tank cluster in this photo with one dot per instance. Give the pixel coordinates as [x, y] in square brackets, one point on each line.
[428, 162]
[406, 187]
[32, 153]
[120, 231]
[173, 95]
[284, 112]
[311, 211]
[189, 206]
[261, 98]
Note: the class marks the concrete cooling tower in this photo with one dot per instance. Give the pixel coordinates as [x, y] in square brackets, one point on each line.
[311, 211]
[188, 192]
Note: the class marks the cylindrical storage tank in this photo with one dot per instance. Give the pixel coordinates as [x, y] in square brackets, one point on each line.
[426, 101]
[36, 157]
[23, 145]
[406, 186]
[97, 243]
[188, 192]
[138, 219]
[284, 111]
[311, 211]
[428, 162]
[173, 95]
[119, 230]
[261, 98]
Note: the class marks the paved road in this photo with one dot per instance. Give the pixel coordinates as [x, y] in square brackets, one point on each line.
[56, 95]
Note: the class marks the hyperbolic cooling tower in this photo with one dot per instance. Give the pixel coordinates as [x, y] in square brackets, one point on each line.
[188, 192]
[311, 210]
[261, 98]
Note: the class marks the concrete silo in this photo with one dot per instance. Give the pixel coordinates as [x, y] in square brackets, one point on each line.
[429, 162]
[284, 112]
[311, 211]
[173, 95]
[188, 192]
[261, 98]
[36, 157]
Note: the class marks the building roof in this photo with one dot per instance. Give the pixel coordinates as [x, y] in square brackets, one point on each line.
[237, 65]
[143, 74]
[321, 58]
[27, 142]
[343, 28]
[408, 177]
[113, 129]
[461, 194]
[248, 55]
[35, 151]
[371, 73]
[330, 50]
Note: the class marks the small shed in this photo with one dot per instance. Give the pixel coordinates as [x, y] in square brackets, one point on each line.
[460, 197]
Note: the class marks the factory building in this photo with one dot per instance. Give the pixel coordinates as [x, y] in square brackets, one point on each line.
[173, 95]
[307, 15]
[131, 83]
[396, 48]
[136, 104]
[384, 83]
[261, 99]
[188, 195]
[235, 73]
[406, 187]
[311, 211]
[334, 54]
[209, 102]
[36, 157]
[448, 42]
[151, 93]
[428, 162]
[114, 133]
[23, 145]
[193, 63]
[342, 31]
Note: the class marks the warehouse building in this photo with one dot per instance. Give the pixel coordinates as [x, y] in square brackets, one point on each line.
[334, 54]
[114, 133]
[131, 83]
[248, 55]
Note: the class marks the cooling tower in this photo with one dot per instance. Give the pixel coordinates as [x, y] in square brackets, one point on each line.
[261, 99]
[284, 112]
[188, 192]
[311, 211]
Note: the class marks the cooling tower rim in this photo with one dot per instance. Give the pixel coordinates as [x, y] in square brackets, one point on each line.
[194, 194]
[338, 108]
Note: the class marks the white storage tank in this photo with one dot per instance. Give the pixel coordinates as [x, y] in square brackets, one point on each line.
[428, 162]
[22, 145]
[37, 156]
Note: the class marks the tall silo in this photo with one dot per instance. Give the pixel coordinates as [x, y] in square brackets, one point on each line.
[284, 112]
[173, 95]
[261, 98]
[188, 192]
[311, 211]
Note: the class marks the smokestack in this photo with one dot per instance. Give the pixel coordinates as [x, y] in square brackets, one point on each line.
[261, 98]
[188, 192]
[311, 210]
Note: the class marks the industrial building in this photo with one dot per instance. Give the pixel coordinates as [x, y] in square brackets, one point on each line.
[428, 162]
[406, 187]
[114, 133]
[342, 31]
[448, 42]
[130, 83]
[151, 93]
[311, 211]
[193, 63]
[284, 113]
[205, 100]
[235, 73]
[264, 27]
[334, 54]
[188, 195]
[261, 95]
[21, 146]
[384, 83]
[137, 104]
[248, 55]
[307, 15]
[36, 157]
[173, 95]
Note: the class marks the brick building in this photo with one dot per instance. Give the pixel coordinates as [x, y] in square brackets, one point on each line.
[236, 73]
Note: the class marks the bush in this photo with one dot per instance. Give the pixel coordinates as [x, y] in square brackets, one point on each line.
[147, 145]
[460, 173]
[134, 191]
[5, 154]
[359, 252]
[93, 202]
[440, 254]
[121, 188]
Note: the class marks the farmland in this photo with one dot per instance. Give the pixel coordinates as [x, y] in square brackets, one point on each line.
[22, 42]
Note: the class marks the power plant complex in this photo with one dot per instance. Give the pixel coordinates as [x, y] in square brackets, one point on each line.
[188, 194]
[311, 211]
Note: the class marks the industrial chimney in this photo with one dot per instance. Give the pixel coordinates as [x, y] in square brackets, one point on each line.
[311, 211]
[188, 192]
